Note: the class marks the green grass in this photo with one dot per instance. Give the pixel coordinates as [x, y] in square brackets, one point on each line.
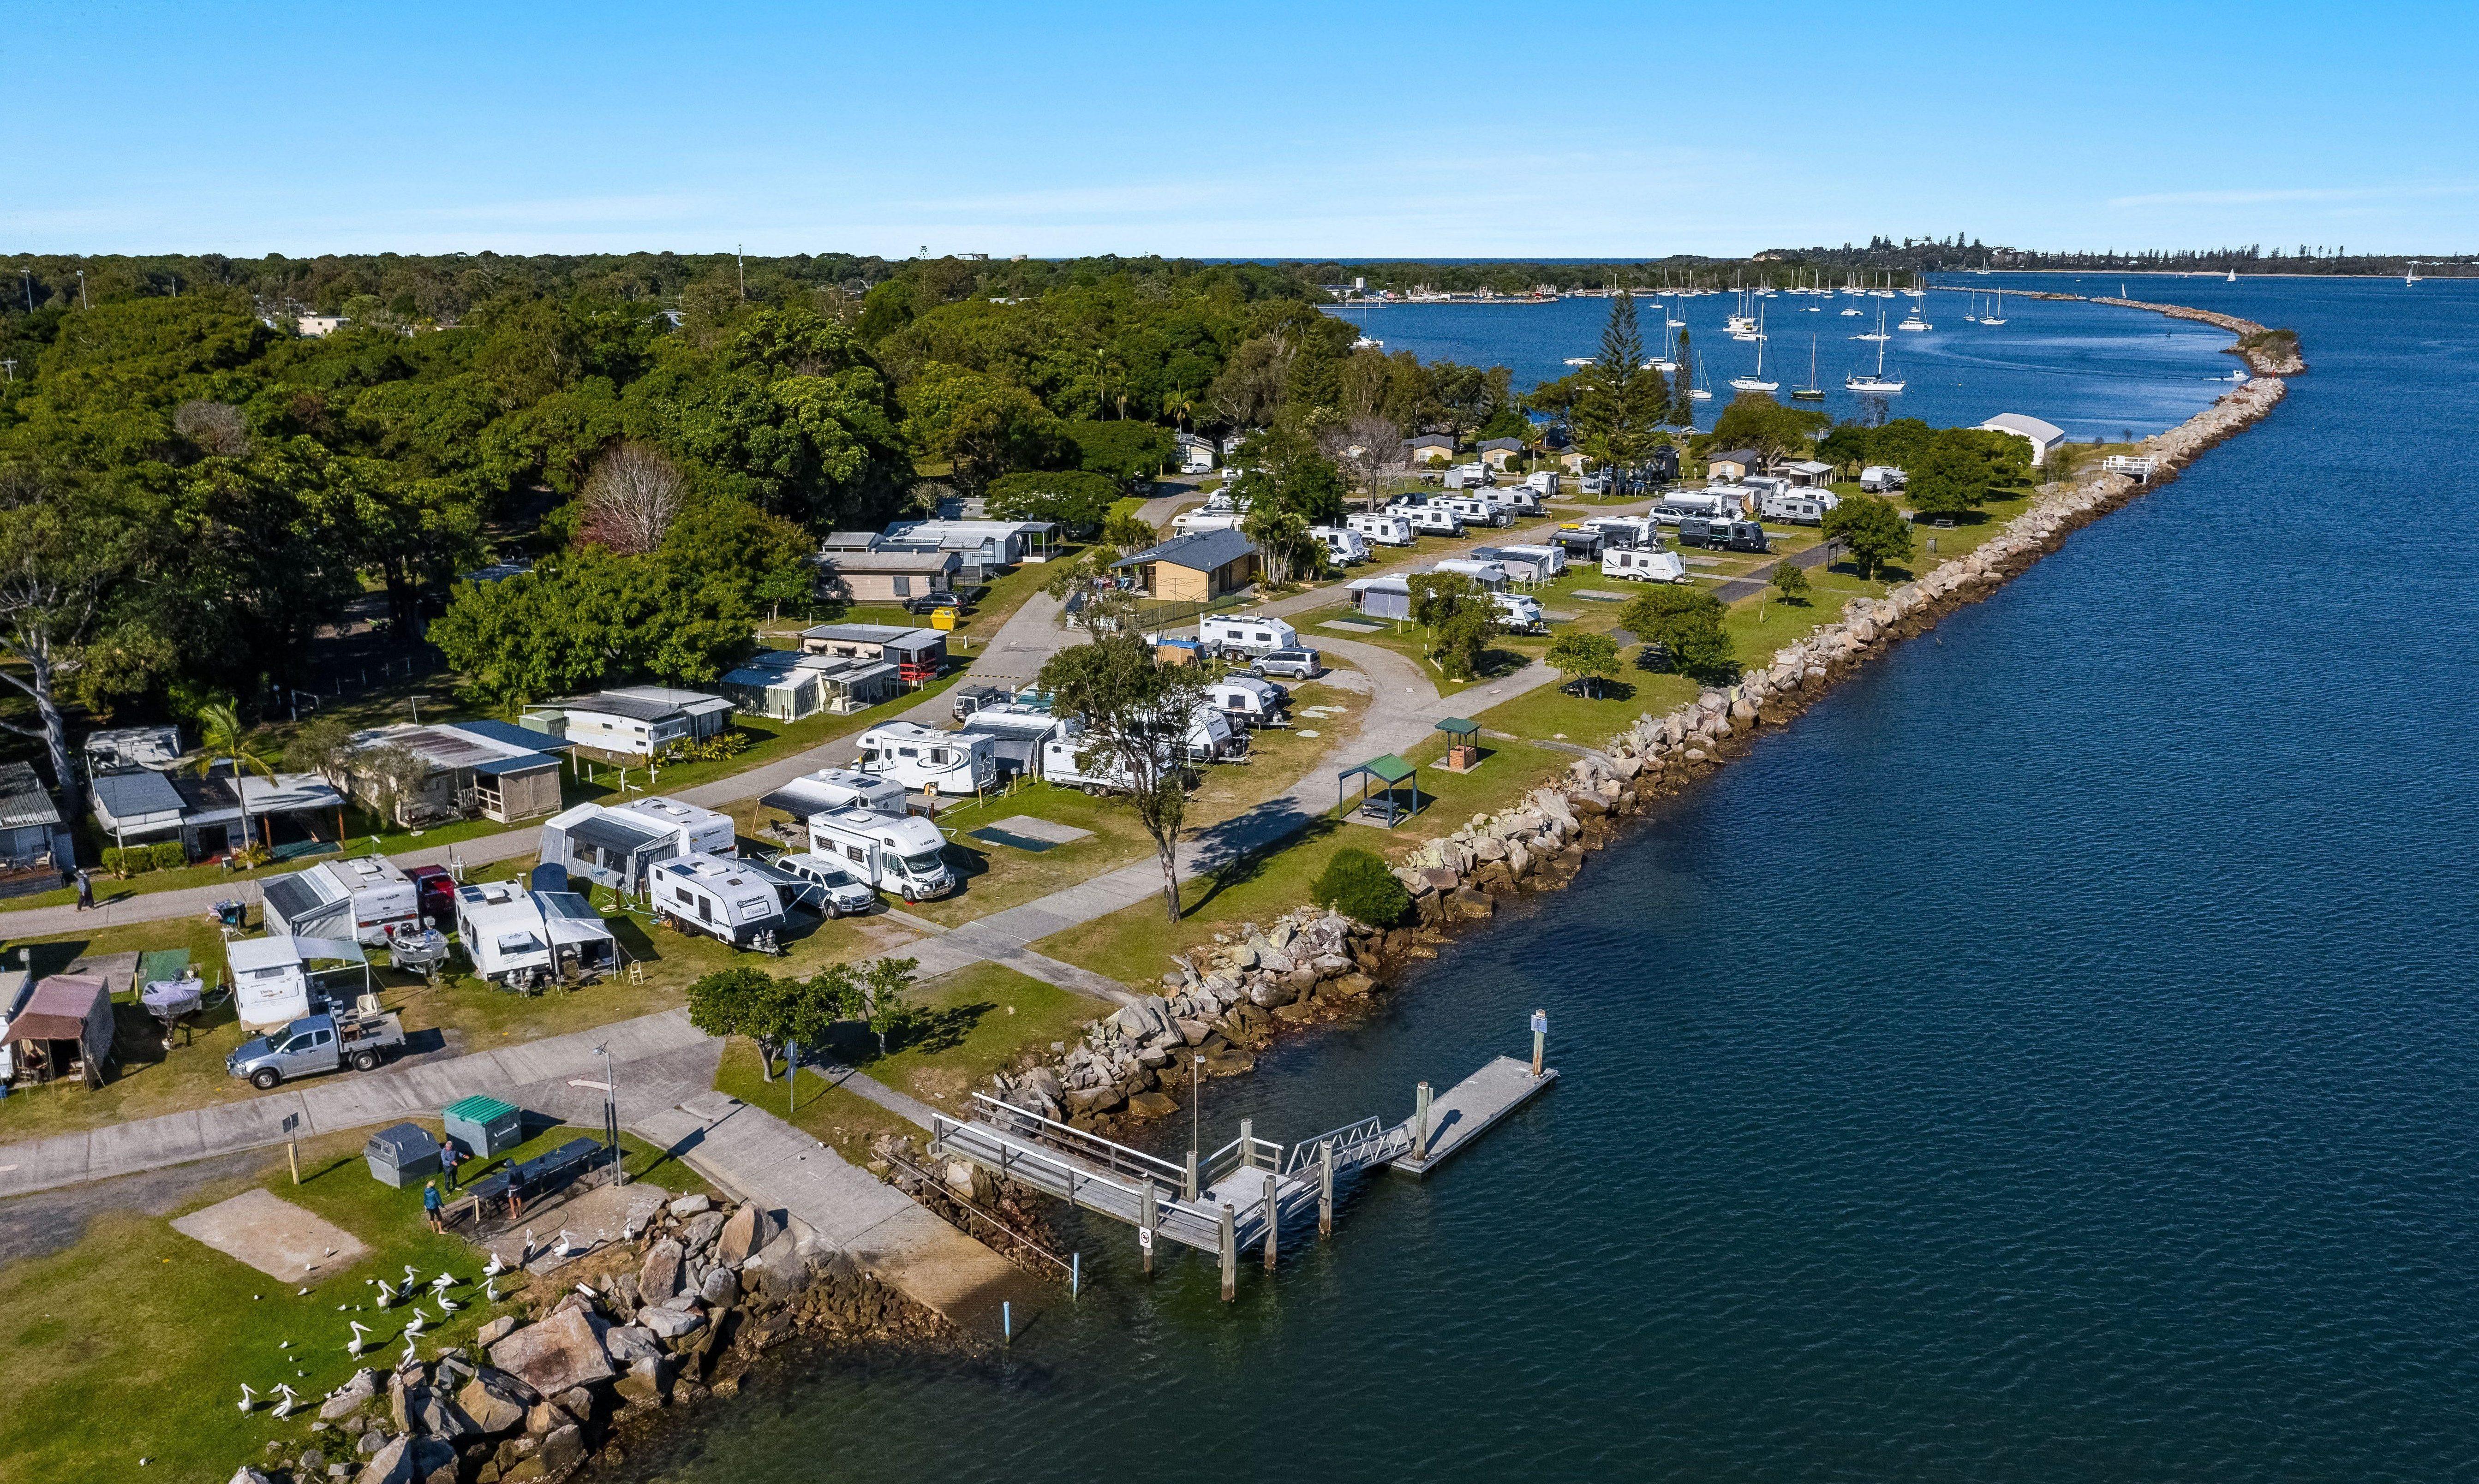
[132, 1342]
[967, 1024]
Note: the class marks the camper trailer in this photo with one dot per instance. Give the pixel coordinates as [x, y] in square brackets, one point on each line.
[1519, 613]
[1876, 478]
[1551, 559]
[503, 935]
[1641, 566]
[1580, 542]
[1390, 529]
[913, 756]
[1190, 522]
[1795, 507]
[900, 853]
[1250, 702]
[1477, 511]
[836, 788]
[1688, 504]
[1343, 547]
[1521, 500]
[1543, 483]
[360, 899]
[1489, 574]
[696, 831]
[1248, 633]
[273, 983]
[721, 899]
[1435, 519]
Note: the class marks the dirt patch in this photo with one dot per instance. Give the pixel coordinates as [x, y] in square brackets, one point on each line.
[275, 1237]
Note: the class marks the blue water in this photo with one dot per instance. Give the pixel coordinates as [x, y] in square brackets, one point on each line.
[2052, 1059]
[2090, 369]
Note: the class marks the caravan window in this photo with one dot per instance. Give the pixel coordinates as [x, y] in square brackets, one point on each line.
[706, 909]
[855, 853]
[937, 754]
[908, 752]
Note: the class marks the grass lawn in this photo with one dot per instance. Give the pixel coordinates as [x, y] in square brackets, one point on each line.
[843, 1119]
[133, 1341]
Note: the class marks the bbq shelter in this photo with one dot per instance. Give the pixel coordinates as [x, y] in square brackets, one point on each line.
[1379, 780]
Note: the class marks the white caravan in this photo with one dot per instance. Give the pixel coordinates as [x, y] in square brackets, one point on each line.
[1799, 507]
[1477, 510]
[1519, 613]
[1542, 482]
[1390, 529]
[1246, 633]
[696, 830]
[836, 788]
[1879, 478]
[1551, 559]
[1625, 531]
[360, 899]
[722, 900]
[1470, 477]
[1434, 519]
[914, 757]
[1637, 565]
[1190, 522]
[900, 853]
[1343, 546]
[1698, 504]
[1489, 574]
[1249, 701]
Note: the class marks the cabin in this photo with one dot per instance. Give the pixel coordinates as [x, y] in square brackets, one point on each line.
[30, 822]
[982, 546]
[789, 686]
[493, 768]
[1196, 567]
[919, 655]
[1807, 473]
[885, 577]
[1500, 453]
[641, 721]
[1576, 462]
[1729, 466]
[1428, 449]
[2041, 436]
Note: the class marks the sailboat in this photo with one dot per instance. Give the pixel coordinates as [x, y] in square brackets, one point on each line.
[1810, 392]
[1879, 333]
[1756, 382]
[1666, 363]
[1676, 317]
[1971, 315]
[1913, 322]
[2410, 276]
[1994, 314]
[2234, 275]
[1701, 391]
[1877, 382]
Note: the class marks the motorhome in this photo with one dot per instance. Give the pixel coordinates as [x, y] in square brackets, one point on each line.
[1190, 522]
[1478, 511]
[917, 757]
[1688, 504]
[1637, 565]
[1489, 574]
[1626, 530]
[1876, 478]
[1796, 507]
[720, 899]
[1246, 633]
[1017, 735]
[1390, 529]
[836, 788]
[699, 832]
[900, 853]
[1519, 613]
[1250, 702]
[360, 899]
[1343, 547]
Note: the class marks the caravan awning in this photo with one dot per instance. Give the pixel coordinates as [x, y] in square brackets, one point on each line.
[61, 1007]
[608, 835]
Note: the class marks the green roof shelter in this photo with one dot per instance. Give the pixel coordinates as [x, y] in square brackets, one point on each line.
[484, 1126]
[1463, 743]
[1391, 771]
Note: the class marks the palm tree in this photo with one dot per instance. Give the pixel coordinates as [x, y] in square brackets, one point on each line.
[223, 737]
[1181, 406]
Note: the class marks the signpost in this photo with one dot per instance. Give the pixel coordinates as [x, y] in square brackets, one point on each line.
[293, 1145]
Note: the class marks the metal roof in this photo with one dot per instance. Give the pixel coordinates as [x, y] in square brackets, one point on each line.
[522, 762]
[477, 1109]
[23, 799]
[604, 833]
[1390, 769]
[132, 796]
[1458, 725]
[292, 897]
[1204, 551]
[511, 734]
[630, 706]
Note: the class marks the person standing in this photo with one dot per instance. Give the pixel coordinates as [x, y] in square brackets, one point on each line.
[449, 1157]
[431, 1207]
[85, 889]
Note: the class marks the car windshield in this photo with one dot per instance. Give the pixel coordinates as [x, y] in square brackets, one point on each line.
[924, 864]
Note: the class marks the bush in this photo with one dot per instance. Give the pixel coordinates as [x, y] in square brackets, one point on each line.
[112, 860]
[168, 855]
[135, 860]
[1358, 884]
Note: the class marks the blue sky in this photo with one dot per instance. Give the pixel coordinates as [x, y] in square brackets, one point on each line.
[1236, 130]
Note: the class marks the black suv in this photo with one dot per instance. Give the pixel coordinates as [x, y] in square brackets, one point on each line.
[921, 603]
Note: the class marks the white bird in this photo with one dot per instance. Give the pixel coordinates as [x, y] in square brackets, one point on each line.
[286, 1345]
[360, 1344]
[419, 1321]
[301, 1293]
[565, 1247]
[590, 1296]
[409, 1357]
[387, 1290]
[490, 1291]
[525, 1253]
[447, 1305]
[494, 1267]
[445, 1280]
[285, 1407]
[248, 1397]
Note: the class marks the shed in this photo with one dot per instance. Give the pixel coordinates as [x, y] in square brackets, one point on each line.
[885, 576]
[1195, 568]
[483, 1126]
[2041, 436]
[1391, 771]
[1429, 448]
[404, 1155]
[64, 1026]
[1499, 452]
[1733, 464]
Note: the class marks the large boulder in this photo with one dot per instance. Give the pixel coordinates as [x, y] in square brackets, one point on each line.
[659, 1278]
[746, 1235]
[667, 1324]
[495, 1331]
[720, 1288]
[493, 1402]
[412, 1460]
[701, 1230]
[688, 1205]
[563, 1351]
[364, 1386]
[626, 1344]
[562, 1449]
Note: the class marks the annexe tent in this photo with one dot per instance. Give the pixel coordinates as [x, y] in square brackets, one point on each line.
[68, 1020]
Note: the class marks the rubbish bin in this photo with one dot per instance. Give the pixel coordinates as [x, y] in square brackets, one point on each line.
[484, 1126]
[402, 1156]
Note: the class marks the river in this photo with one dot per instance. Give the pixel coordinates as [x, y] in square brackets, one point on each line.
[2049, 1059]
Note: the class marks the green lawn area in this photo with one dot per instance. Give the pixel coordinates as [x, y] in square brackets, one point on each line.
[133, 1341]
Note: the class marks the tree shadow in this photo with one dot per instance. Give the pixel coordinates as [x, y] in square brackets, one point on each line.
[1246, 860]
[1587, 688]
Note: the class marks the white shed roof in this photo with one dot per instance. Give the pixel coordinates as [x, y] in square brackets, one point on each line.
[2022, 426]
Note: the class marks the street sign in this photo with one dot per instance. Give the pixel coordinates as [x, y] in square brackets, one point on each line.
[292, 1122]
[1145, 1237]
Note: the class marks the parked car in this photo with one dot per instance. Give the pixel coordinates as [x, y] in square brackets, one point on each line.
[1298, 664]
[970, 699]
[314, 1044]
[921, 604]
[822, 881]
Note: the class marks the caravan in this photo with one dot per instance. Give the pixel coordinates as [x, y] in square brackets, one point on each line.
[900, 853]
[274, 985]
[1543, 483]
[1017, 735]
[913, 756]
[1343, 547]
[364, 900]
[1798, 507]
[1721, 501]
[1723, 535]
[1478, 511]
[1193, 522]
[519, 938]
[1390, 529]
[1519, 613]
[1434, 519]
[1641, 566]
[722, 899]
[1246, 633]
[1250, 702]
[1550, 559]
[835, 788]
[1470, 477]
[1626, 530]
[1489, 574]
[695, 831]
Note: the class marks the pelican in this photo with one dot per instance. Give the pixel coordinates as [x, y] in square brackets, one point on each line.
[248, 1397]
[447, 1305]
[285, 1407]
[361, 1341]
[525, 1253]
[444, 1280]
[489, 1290]
[410, 1356]
[418, 1319]
[565, 1247]
[494, 1267]
[286, 1345]
[387, 1290]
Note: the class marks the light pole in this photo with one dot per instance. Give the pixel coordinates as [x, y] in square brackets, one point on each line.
[611, 1113]
[1195, 1120]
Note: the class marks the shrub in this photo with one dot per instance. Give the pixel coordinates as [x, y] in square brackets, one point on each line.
[168, 855]
[1358, 884]
[112, 860]
[135, 860]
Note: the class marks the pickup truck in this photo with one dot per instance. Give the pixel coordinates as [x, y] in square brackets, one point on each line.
[314, 1044]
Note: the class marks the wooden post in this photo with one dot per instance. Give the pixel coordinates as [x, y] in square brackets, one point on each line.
[293, 1145]
[1540, 1038]
[1273, 1219]
[1229, 1257]
[1148, 1222]
[1191, 1192]
[1325, 1189]
[1421, 1122]
[1247, 1146]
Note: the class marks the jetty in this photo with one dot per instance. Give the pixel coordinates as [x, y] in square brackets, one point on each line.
[1246, 1194]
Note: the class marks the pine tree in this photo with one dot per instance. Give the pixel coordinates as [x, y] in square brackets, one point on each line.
[1620, 409]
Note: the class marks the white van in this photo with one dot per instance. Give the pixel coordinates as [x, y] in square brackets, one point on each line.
[1343, 546]
[913, 756]
[696, 830]
[1391, 529]
[722, 899]
[1245, 634]
[1250, 702]
[1641, 566]
[1477, 511]
[900, 853]
[1703, 504]
[1519, 613]
[1798, 507]
[1190, 522]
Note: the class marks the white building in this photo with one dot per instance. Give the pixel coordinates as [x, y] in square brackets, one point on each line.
[2041, 436]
